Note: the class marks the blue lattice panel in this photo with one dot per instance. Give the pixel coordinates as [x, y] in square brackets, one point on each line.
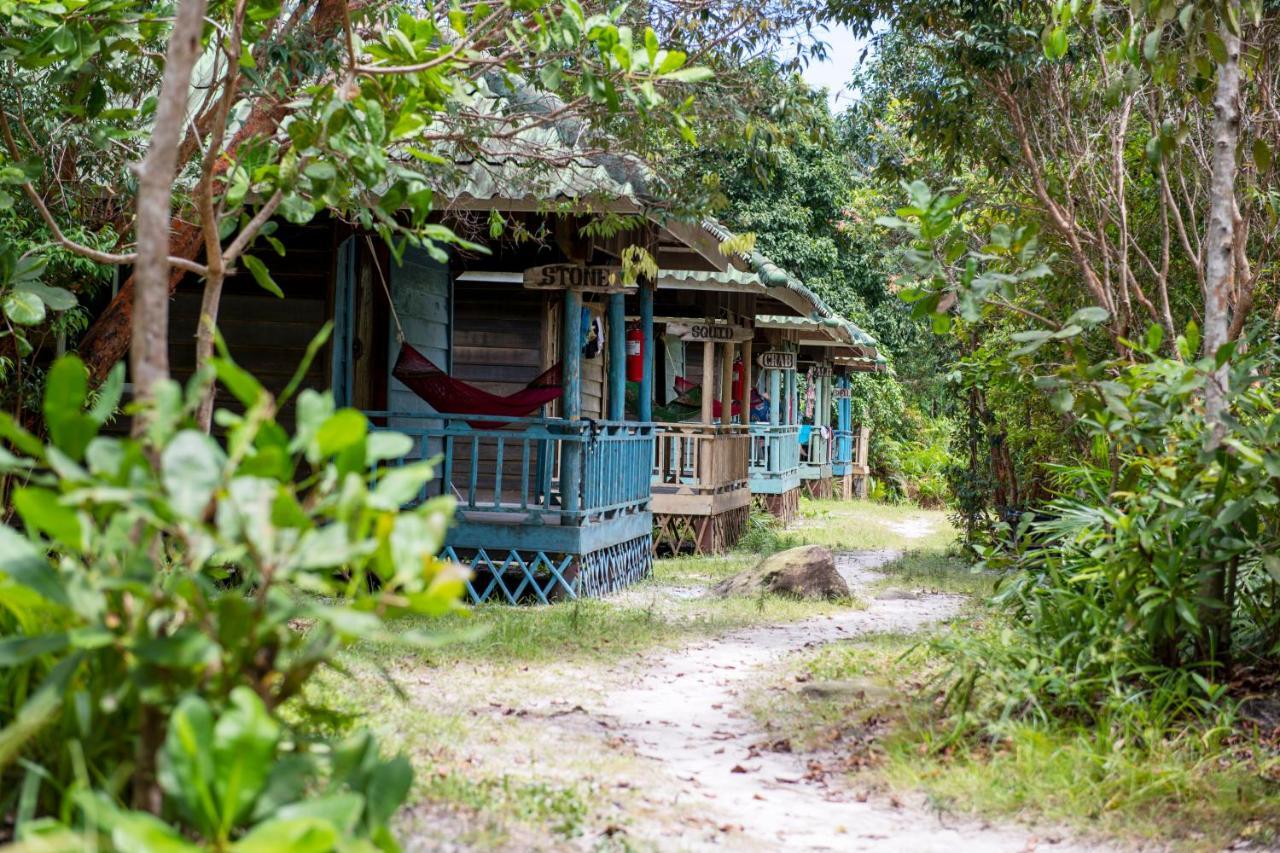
[527, 577]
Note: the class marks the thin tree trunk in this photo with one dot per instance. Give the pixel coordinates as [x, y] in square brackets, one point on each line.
[207, 326]
[1219, 257]
[1218, 286]
[150, 348]
[156, 174]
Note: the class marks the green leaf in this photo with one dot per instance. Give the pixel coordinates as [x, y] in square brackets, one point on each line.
[24, 308]
[297, 835]
[66, 388]
[15, 651]
[27, 566]
[399, 485]
[40, 510]
[244, 747]
[341, 430]
[385, 444]
[389, 784]
[54, 298]
[1054, 42]
[191, 468]
[320, 170]
[186, 770]
[260, 274]
[692, 74]
[1090, 316]
[1217, 48]
[1261, 154]
[341, 810]
[1063, 400]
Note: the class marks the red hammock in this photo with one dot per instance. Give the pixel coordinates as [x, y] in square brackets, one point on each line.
[454, 397]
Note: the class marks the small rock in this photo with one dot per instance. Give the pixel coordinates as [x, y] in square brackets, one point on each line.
[805, 572]
[895, 594]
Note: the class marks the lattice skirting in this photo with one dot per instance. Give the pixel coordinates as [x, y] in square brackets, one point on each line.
[816, 489]
[540, 577]
[699, 534]
[785, 507]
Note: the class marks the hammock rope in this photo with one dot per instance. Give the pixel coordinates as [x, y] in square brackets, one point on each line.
[395, 315]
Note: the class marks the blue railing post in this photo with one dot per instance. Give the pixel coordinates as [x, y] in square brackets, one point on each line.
[617, 356]
[644, 411]
[775, 397]
[571, 402]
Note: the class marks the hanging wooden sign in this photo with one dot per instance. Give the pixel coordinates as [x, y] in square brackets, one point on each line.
[716, 332]
[777, 360]
[574, 277]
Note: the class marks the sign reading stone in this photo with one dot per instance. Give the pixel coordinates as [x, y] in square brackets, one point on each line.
[716, 332]
[573, 277]
[775, 360]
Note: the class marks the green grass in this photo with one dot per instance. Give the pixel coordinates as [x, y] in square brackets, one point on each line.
[861, 525]
[669, 609]
[1182, 788]
[933, 572]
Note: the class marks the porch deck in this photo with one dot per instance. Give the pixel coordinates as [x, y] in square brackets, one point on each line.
[701, 495]
[774, 470]
[546, 508]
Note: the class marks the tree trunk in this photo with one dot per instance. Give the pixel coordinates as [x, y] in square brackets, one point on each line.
[156, 174]
[207, 325]
[1219, 280]
[1219, 256]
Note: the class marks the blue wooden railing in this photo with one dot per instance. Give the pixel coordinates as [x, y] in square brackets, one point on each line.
[775, 450]
[534, 470]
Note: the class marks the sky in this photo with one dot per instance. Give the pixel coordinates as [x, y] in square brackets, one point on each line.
[844, 50]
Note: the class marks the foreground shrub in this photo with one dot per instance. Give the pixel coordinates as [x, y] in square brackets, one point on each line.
[1155, 570]
[171, 592]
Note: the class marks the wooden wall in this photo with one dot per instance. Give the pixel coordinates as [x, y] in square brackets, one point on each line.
[266, 335]
[420, 290]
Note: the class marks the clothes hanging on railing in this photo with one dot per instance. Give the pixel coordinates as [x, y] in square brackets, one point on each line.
[452, 396]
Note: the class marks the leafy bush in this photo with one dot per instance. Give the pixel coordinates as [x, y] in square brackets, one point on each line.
[1156, 566]
[765, 535]
[171, 593]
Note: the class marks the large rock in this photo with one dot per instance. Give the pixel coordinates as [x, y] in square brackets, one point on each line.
[805, 572]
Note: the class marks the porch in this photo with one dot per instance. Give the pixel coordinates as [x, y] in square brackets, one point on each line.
[546, 508]
[774, 468]
[701, 497]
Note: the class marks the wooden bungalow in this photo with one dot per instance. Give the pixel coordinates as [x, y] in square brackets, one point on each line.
[827, 351]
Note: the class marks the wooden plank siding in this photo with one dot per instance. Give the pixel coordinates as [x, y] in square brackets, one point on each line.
[498, 332]
[266, 335]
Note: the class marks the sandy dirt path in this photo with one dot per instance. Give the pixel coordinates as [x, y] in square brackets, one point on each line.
[683, 712]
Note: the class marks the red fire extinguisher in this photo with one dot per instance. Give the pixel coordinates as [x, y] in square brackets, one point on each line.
[635, 354]
[737, 378]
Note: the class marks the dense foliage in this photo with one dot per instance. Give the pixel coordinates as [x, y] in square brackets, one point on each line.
[197, 587]
[1074, 230]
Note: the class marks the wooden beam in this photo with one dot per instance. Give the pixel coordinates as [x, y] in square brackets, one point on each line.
[726, 384]
[617, 357]
[645, 407]
[747, 384]
[708, 380]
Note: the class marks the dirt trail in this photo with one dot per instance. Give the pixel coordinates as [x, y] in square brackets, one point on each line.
[683, 712]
